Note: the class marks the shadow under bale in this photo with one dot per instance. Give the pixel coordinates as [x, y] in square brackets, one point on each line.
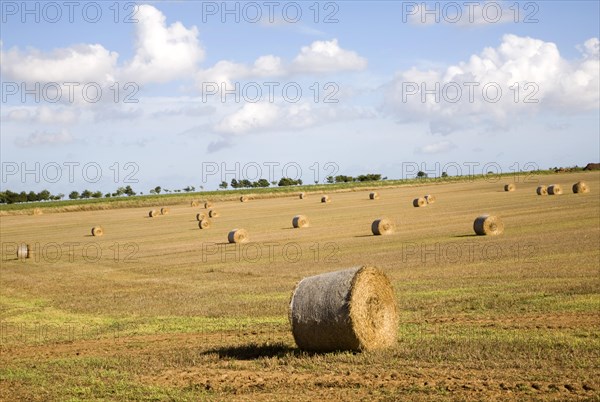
[253, 351]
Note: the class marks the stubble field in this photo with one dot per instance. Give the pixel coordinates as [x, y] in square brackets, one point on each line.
[157, 309]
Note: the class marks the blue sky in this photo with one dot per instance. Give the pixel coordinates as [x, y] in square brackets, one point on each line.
[373, 61]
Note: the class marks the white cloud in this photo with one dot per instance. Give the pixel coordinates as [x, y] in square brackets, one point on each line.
[436, 147]
[40, 138]
[79, 63]
[251, 117]
[162, 53]
[265, 116]
[318, 57]
[327, 56]
[531, 74]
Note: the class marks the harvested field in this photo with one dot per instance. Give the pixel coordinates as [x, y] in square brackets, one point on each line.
[157, 309]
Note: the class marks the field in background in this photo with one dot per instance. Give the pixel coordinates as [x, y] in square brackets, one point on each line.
[158, 309]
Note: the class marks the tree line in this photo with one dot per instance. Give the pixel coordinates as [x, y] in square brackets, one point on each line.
[10, 197]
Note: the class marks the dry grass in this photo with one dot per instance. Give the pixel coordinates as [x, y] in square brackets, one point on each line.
[171, 312]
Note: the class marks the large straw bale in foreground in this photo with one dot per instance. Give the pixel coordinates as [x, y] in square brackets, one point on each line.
[353, 309]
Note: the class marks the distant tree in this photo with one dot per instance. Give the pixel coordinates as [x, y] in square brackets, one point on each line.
[245, 183]
[316, 181]
[223, 185]
[263, 183]
[274, 183]
[234, 183]
[157, 189]
[129, 191]
[59, 196]
[286, 181]
[330, 179]
[44, 195]
[73, 195]
[444, 174]
[343, 179]
[107, 195]
[86, 194]
[97, 194]
[421, 174]
[152, 191]
[32, 196]
[189, 188]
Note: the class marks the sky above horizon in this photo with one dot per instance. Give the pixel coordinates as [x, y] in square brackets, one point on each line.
[99, 95]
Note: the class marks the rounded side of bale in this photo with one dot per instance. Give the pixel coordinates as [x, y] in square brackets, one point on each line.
[204, 224]
[213, 213]
[429, 199]
[555, 189]
[97, 231]
[509, 187]
[164, 211]
[194, 204]
[325, 199]
[382, 226]
[354, 309]
[302, 196]
[238, 236]
[243, 198]
[486, 225]
[542, 190]
[153, 213]
[580, 188]
[300, 221]
[200, 216]
[23, 251]
[374, 196]
[37, 211]
[208, 204]
[419, 202]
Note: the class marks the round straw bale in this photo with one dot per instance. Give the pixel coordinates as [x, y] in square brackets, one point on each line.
[382, 226]
[37, 211]
[542, 190]
[204, 224]
[300, 221]
[164, 211]
[213, 213]
[238, 236]
[555, 189]
[153, 213]
[419, 202]
[488, 225]
[302, 196]
[97, 231]
[208, 204]
[374, 196]
[429, 199]
[243, 198]
[325, 199]
[353, 309]
[509, 187]
[23, 251]
[580, 188]
[195, 204]
[200, 216]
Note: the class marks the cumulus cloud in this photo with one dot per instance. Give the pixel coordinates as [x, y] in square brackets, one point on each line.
[41, 138]
[317, 58]
[163, 53]
[265, 116]
[520, 77]
[327, 56]
[79, 63]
